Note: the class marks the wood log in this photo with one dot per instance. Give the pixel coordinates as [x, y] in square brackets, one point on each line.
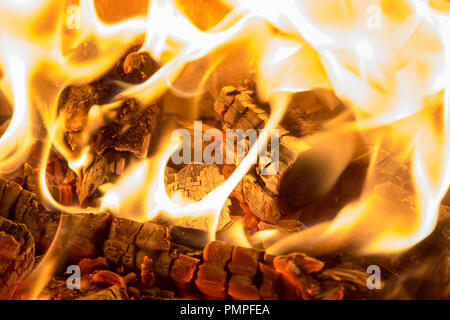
[243, 267]
[147, 275]
[300, 176]
[103, 168]
[183, 269]
[76, 102]
[223, 271]
[239, 110]
[212, 276]
[120, 245]
[16, 256]
[10, 193]
[126, 132]
[193, 238]
[194, 182]
[163, 263]
[129, 243]
[268, 287]
[21, 206]
[137, 67]
[240, 273]
[296, 276]
[153, 236]
[262, 203]
[130, 131]
[89, 236]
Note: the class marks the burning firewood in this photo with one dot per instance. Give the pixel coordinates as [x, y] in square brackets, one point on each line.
[295, 270]
[194, 182]
[261, 202]
[243, 267]
[138, 67]
[224, 271]
[22, 206]
[16, 256]
[292, 185]
[221, 273]
[131, 130]
[129, 242]
[268, 287]
[130, 133]
[183, 270]
[77, 100]
[126, 133]
[212, 276]
[102, 168]
[89, 235]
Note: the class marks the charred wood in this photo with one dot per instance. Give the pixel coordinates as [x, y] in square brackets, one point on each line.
[297, 179]
[194, 182]
[16, 256]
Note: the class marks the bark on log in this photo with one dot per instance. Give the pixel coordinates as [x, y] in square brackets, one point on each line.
[16, 256]
[120, 247]
[241, 273]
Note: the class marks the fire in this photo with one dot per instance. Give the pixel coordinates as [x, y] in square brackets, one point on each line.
[388, 60]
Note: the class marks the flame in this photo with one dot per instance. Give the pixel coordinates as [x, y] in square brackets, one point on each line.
[388, 60]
